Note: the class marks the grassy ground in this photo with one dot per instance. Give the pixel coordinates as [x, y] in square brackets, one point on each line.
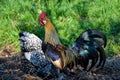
[69, 17]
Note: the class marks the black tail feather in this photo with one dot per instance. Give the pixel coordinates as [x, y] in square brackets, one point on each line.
[102, 57]
[94, 61]
[85, 62]
[89, 35]
[94, 40]
[93, 55]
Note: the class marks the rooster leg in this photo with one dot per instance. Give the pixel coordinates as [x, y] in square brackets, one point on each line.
[67, 71]
[73, 66]
[70, 70]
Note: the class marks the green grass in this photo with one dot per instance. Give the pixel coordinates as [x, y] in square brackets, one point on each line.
[70, 17]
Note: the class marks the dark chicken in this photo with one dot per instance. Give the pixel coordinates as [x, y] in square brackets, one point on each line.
[87, 46]
[31, 49]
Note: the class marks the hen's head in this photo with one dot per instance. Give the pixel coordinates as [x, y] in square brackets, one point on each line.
[42, 19]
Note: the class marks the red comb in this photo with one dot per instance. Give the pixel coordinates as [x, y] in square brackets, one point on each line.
[42, 15]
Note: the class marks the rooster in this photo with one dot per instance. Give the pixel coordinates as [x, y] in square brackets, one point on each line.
[31, 49]
[85, 47]
[51, 39]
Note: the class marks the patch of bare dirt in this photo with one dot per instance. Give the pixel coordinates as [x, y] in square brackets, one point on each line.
[10, 69]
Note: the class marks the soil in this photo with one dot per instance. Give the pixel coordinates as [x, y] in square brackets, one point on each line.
[10, 69]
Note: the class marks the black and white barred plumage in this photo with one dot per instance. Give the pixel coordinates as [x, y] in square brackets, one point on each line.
[31, 48]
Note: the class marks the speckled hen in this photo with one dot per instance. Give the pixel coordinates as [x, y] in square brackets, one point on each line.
[31, 49]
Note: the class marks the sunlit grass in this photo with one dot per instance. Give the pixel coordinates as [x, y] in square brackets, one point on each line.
[70, 18]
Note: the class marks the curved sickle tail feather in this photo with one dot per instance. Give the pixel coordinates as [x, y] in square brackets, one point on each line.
[90, 35]
[93, 39]
[102, 57]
